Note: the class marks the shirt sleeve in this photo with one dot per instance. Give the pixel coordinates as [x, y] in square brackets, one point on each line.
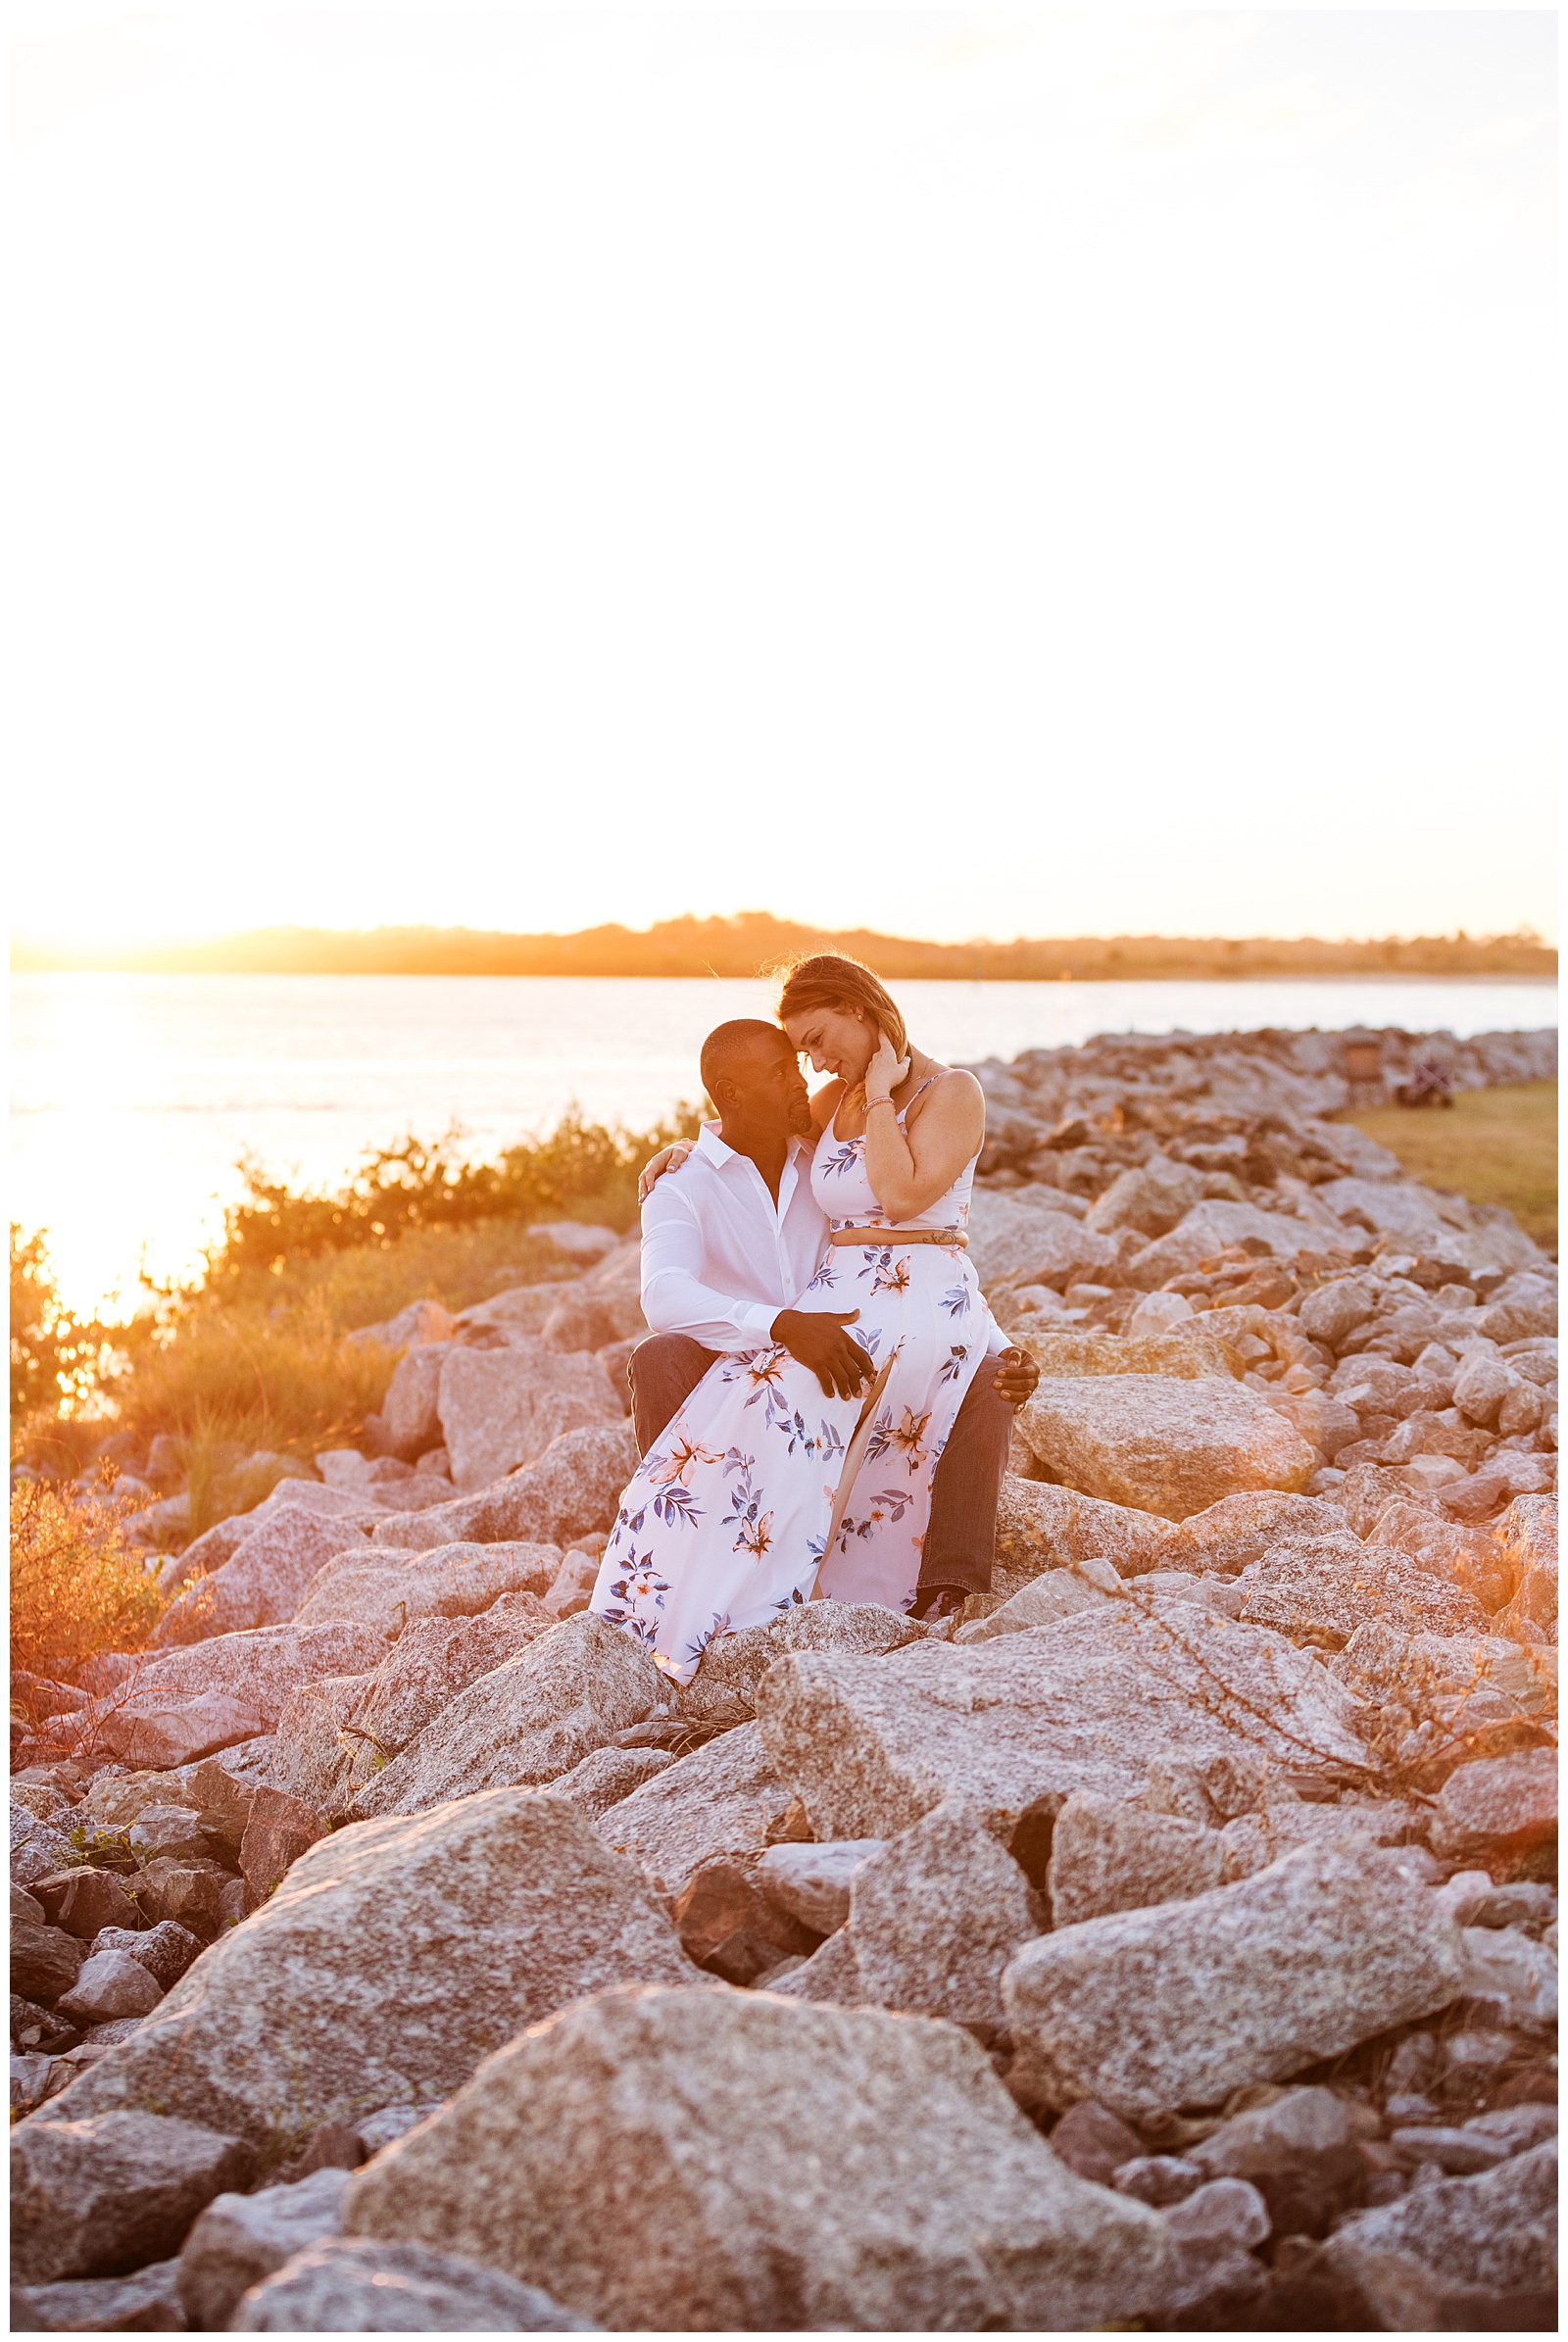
[675, 1300]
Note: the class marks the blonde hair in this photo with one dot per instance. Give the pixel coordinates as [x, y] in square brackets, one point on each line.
[827, 981]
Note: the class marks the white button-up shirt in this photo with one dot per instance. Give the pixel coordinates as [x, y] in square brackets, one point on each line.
[720, 1259]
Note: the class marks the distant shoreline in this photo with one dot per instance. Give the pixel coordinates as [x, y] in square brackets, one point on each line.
[749, 946]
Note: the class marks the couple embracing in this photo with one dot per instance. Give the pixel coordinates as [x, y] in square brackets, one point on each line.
[824, 1404]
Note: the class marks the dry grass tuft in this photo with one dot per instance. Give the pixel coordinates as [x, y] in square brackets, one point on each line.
[76, 1587]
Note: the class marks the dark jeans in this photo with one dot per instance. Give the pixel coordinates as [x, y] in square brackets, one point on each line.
[960, 1540]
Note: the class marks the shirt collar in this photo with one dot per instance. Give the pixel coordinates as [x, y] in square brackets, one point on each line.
[712, 1150]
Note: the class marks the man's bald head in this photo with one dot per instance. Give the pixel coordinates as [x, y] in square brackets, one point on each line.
[753, 1078]
[737, 1048]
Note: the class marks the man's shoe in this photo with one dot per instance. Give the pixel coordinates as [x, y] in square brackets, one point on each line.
[935, 1602]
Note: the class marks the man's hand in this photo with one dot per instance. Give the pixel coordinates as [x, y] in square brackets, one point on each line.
[1017, 1376]
[816, 1337]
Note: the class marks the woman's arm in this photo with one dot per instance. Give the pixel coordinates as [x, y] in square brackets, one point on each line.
[908, 1172]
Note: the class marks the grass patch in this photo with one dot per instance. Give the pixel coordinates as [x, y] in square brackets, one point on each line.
[1491, 1147]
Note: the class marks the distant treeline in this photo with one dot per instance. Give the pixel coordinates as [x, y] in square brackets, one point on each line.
[753, 942]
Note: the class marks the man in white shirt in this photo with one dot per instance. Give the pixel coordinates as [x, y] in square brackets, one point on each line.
[731, 1240]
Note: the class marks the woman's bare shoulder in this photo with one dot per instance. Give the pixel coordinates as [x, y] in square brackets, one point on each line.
[952, 1088]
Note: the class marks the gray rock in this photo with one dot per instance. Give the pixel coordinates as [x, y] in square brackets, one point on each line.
[1060, 1251]
[110, 1985]
[470, 1923]
[1004, 1229]
[388, 1591]
[239, 2240]
[1327, 1587]
[410, 1410]
[1146, 2010]
[1265, 2140]
[334, 1735]
[1223, 2216]
[527, 1722]
[1525, 1306]
[1508, 1979]
[1054, 1594]
[315, 1756]
[607, 1775]
[96, 2193]
[1042, 1527]
[1421, 2261]
[1150, 1198]
[45, 1960]
[143, 2303]
[1106, 1855]
[1162, 1446]
[935, 1916]
[811, 1882]
[1157, 2179]
[37, 1847]
[1497, 1808]
[723, 1689]
[1333, 1310]
[1092, 2141]
[722, 1803]
[1210, 1791]
[1253, 1842]
[833, 2168]
[501, 1409]
[251, 1672]
[264, 1582]
[1528, 1536]
[359, 2285]
[435, 1658]
[165, 1951]
[869, 1745]
[573, 1489]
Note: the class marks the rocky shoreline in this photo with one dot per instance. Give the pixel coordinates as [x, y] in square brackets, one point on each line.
[1169, 1939]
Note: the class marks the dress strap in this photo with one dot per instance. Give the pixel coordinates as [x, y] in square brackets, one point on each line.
[920, 1093]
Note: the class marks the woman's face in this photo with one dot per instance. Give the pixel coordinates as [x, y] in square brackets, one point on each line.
[838, 1041]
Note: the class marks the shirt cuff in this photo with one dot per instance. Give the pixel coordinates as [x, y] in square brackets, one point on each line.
[757, 1319]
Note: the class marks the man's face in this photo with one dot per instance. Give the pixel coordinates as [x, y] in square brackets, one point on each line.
[771, 1090]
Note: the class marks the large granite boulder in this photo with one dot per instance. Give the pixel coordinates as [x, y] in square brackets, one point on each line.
[734, 2161]
[1181, 2004]
[722, 1803]
[501, 1409]
[1040, 1526]
[391, 1959]
[264, 1582]
[1323, 1588]
[185, 1704]
[1027, 1720]
[526, 1721]
[389, 1591]
[1160, 1445]
[574, 1487]
[935, 1916]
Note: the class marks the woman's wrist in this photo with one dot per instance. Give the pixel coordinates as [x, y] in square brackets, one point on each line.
[878, 1101]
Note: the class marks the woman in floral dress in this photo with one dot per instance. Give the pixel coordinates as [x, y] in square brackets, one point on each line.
[762, 1492]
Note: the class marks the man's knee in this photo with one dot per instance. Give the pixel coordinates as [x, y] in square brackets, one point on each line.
[662, 1373]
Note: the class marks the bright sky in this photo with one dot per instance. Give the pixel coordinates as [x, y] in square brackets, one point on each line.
[965, 471]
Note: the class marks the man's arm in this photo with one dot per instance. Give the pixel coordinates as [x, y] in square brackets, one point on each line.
[675, 1299]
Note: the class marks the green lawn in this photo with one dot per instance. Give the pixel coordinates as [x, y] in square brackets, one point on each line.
[1493, 1146]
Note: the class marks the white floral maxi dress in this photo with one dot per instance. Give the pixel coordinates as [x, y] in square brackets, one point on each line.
[728, 1520]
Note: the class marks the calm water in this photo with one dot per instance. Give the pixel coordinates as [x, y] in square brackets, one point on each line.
[134, 1096]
